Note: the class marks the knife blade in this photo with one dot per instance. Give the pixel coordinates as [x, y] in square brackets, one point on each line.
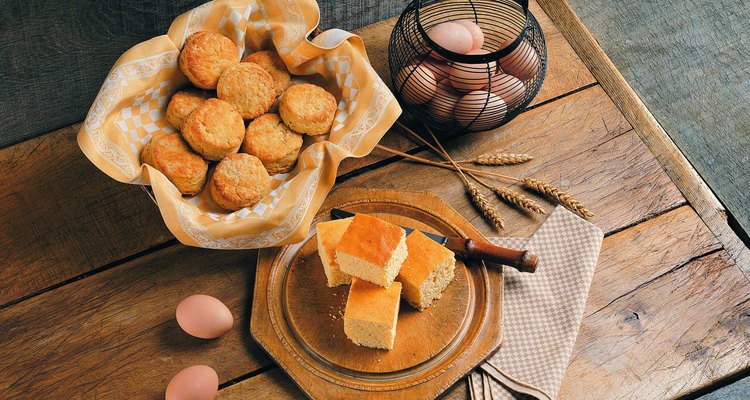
[522, 260]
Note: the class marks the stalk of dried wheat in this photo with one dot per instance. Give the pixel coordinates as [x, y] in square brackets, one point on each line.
[517, 199]
[490, 213]
[558, 195]
[501, 159]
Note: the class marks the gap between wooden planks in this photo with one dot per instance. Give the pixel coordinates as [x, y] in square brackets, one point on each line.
[83, 221]
[691, 185]
[119, 323]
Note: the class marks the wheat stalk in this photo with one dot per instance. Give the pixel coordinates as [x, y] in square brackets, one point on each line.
[517, 199]
[558, 195]
[499, 159]
[490, 213]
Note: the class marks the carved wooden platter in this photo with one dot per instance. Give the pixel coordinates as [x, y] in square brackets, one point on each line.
[298, 319]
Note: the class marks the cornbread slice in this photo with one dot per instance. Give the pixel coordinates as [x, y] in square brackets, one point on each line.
[329, 235]
[371, 314]
[427, 270]
[372, 249]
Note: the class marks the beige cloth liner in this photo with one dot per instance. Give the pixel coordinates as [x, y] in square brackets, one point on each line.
[131, 106]
[542, 311]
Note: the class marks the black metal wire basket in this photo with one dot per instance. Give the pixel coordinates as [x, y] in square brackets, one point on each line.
[455, 82]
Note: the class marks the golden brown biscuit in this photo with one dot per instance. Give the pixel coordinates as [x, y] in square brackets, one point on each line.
[205, 56]
[182, 104]
[270, 61]
[214, 129]
[239, 181]
[307, 108]
[249, 88]
[168, 153]
[269, 139]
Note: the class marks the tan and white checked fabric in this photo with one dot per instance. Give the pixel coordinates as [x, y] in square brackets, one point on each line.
[542, 311]
[131, 104]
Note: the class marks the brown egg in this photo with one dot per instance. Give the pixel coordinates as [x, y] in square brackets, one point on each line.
[439, 69]
[443, 104]
[508, 87]
[467, 77]
[418, 84]
[522, 62]
[204, 316]
[480, 110]
[451, 36]
[198, 382]
[476, 32]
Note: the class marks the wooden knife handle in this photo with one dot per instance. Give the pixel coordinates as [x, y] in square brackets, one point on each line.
[521, 260]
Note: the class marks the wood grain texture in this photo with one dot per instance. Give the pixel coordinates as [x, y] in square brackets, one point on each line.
[673, 335]
[276, 385]
[114, 335]
[581, 145]
[648, 128]
[62, 217]
[692, 74]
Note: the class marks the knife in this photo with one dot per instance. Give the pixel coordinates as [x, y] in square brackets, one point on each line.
[521, 260]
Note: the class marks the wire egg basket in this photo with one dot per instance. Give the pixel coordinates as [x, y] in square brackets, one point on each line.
[455, 82]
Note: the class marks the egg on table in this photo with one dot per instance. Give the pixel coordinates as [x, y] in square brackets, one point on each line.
[468, 76]
[443, 104]
[452, 36]
[204, 316]
[480, 110]
[476, 32]
[417, 84]
[199, 382]
[508, 87]
[522, 62]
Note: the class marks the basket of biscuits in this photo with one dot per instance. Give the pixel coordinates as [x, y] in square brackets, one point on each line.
[238, 120]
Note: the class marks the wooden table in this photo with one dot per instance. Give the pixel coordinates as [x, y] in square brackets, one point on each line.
[90, 276]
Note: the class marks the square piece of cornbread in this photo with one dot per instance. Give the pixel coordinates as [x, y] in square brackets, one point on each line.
[329, 234]
[372, 249]
[427, 270]
[372, 313]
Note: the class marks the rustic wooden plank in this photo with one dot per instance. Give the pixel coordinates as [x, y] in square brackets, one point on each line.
[276, 385]
[113, 335]
[581, 145]
[691, 72]
[566, 73]
[643, 253]
[656, 138]
[62, 217]
[676, 333]
[117, 220]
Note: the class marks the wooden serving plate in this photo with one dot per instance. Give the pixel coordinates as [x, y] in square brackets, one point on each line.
[299, 320]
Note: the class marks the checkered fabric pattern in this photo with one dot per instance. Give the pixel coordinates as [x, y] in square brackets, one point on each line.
[542, 311]
[233, 25]
[257, 29]
[145, 116]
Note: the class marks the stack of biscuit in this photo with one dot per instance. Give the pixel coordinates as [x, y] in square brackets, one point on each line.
[234, 125]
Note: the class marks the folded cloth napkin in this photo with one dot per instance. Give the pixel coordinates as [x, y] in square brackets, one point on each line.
[541, 311]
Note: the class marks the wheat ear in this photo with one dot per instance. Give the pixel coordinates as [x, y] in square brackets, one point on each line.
[490, 213]
[517, 199]
[501, 159]
[558, 195]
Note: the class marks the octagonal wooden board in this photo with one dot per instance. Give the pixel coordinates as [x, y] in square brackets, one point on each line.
[298, 319]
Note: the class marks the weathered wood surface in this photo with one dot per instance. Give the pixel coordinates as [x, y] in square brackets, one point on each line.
[55, 54]
[687, 60]
[84, 215]
[114, 335]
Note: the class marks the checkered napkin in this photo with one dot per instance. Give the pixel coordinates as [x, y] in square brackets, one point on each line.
[542, 311]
